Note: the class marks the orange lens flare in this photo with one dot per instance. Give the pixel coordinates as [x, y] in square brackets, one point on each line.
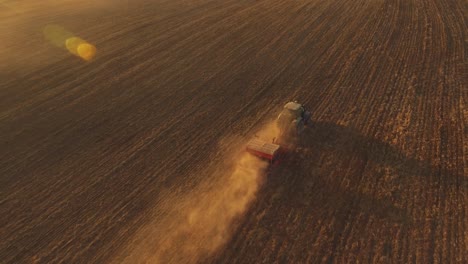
[63, 38]
[80, 48]
[86, 51]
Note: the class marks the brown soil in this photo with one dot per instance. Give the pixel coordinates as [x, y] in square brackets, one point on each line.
[94, 153]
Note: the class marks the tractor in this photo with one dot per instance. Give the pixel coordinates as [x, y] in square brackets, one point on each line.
[290, 123]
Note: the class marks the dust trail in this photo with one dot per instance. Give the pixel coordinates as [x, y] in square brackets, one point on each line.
[201, 222]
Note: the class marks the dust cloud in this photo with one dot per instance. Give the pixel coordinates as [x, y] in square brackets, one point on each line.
[202, 221]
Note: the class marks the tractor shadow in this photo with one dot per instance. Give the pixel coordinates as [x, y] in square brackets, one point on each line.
[337, 167]
[344, 141]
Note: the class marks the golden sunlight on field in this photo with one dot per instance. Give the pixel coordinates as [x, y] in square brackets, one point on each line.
[124, 126]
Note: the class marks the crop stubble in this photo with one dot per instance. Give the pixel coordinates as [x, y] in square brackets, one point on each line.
[91, 152]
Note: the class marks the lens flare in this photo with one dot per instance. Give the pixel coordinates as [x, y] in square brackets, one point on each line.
[72, 44]
[63, 38]
[86, 51]
[56, 35]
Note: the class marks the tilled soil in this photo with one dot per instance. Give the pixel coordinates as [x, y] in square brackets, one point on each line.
[92, 153]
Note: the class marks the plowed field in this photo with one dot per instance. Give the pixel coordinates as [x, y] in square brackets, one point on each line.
[136, 156]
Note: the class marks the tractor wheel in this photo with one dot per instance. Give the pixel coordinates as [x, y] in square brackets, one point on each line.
[300, 127]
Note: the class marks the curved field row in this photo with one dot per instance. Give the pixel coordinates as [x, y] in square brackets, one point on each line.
[94, 155]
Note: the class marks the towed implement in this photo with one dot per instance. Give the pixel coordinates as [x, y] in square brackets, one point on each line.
[272, 152]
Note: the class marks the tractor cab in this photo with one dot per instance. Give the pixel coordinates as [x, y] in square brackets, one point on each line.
[292, 119]
[294, 109]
